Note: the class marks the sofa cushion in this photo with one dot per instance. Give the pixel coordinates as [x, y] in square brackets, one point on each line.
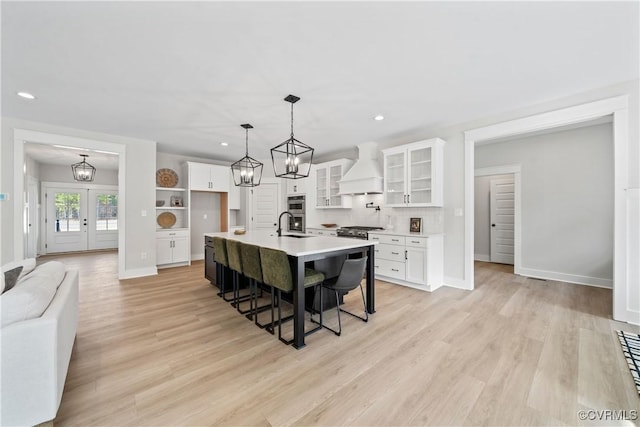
[33, 293]
[10, 278]
[27, 266]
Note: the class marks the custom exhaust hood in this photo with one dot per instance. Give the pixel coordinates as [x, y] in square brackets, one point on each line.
[365, 176]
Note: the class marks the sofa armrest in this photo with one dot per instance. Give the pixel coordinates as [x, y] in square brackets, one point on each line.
[35, 359]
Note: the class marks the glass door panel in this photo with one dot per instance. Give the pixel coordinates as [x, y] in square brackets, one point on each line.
[321, 187]
[103, 219]
[395, 179]
[66, 220]
[335, 175]
[420, 178]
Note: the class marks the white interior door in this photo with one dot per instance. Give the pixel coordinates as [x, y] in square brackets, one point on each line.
[265, 206]
[66, 220]
[502, 206]
[102, 227]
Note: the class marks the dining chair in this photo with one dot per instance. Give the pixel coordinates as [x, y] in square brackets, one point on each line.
[276, 272]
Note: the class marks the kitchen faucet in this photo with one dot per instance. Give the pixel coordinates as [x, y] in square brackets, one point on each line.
[279, 230]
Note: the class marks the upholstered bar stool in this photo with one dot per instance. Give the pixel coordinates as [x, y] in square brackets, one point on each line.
[276, 272]
[350, 278]
[235, 264]
[252, 268]
[222, 267]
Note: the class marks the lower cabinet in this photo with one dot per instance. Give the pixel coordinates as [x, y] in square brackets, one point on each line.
[322, 231]
[415, 261]
[172, 247]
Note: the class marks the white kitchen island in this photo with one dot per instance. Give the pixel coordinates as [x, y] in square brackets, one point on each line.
[305, 248]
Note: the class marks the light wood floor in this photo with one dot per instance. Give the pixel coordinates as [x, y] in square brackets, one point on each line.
[165, 350]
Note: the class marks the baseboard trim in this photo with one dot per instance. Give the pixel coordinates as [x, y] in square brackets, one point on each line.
[563, 277]
[482, 257]
[453, 282]
[138, 272]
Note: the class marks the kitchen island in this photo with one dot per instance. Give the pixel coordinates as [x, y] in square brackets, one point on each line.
[305, 248]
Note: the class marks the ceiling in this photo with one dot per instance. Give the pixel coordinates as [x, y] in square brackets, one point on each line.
[54, 155]
[187, 74]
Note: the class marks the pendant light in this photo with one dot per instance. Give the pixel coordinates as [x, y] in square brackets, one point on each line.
[83, 171]
[292, 159]
[247, 172]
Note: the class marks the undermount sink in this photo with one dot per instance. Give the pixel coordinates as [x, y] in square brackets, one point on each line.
[296, 236]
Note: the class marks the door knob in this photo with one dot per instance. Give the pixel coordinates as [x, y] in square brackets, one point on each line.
[493, 225]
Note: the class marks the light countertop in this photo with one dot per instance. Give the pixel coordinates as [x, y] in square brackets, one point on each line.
[406, 233]
[307, 245]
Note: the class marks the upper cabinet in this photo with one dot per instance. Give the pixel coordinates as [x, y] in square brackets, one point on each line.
[297, 186]
[413, 174]
[204, 177]
[328, 175]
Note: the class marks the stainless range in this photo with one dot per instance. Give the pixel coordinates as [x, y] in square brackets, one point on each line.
[356, 231]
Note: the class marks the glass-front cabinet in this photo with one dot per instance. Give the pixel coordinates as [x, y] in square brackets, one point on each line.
[328, 176]
[413, 174]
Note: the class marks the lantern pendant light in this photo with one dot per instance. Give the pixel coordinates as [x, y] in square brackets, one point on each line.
[247, 172]
[292, 159]
[83, 171]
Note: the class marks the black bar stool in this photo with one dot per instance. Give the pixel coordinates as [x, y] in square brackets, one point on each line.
[250, 255]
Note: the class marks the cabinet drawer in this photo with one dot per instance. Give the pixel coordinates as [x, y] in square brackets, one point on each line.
[386, 239]
[389, 268]
[416, 242]
[173, 233]
[390, 252]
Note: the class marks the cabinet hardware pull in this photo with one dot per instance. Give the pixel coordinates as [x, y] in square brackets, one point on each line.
[408, 198]
[415, 241]
[405, 254]
[395, 240]
[395, 253]
[393, 269]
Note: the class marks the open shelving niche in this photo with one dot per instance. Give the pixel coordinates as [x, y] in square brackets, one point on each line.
[165, 193]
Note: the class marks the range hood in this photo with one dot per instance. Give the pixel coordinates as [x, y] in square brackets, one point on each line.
[365, 175]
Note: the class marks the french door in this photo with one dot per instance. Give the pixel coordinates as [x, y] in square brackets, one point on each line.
[80, 219]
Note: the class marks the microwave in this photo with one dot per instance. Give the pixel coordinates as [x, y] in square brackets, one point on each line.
[296, 204]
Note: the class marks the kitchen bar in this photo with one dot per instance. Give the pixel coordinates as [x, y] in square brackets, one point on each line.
[302, 249]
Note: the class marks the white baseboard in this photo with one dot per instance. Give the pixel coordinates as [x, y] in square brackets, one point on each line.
[564, 277]
[482, 257]
[454, 282]
[138, 272]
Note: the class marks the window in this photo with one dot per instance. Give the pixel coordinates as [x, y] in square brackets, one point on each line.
[67, 212]
[106, 212]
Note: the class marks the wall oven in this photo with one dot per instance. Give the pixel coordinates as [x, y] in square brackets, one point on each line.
[296, 205]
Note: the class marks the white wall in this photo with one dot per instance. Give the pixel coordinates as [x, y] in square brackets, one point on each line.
[140, 195]
[482, 216]
[567, 201]
[60, 173]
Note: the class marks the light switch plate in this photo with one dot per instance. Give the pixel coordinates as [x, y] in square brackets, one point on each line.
[4, 196]
[458, 212]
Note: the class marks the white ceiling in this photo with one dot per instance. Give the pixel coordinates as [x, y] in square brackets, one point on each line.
[52, 155]
[187, 74]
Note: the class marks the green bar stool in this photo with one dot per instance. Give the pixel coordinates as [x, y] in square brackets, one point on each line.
[276, 272]
[235, 264]
[222, 267]
[250, 255]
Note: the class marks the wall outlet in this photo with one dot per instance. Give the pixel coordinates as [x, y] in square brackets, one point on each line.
[143, 255]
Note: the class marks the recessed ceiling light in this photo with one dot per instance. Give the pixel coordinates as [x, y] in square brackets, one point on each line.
[224, 144]
[378, 117]
[26, 95]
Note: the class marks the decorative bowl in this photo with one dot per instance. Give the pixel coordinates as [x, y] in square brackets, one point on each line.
[329, 225]
[239, 231]
[159, 203]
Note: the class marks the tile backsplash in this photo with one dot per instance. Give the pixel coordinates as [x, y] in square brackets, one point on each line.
[389, 218]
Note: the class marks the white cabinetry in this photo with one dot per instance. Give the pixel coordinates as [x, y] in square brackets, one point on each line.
[322, 231]
[414, 261]
[172, 247]
[413, 174]
[297, 186]
[205, 177]
[328, 175]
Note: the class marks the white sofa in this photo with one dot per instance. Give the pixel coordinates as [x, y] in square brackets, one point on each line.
[35, 356]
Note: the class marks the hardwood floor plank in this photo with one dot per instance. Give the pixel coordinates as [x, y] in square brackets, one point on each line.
[165, 350]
